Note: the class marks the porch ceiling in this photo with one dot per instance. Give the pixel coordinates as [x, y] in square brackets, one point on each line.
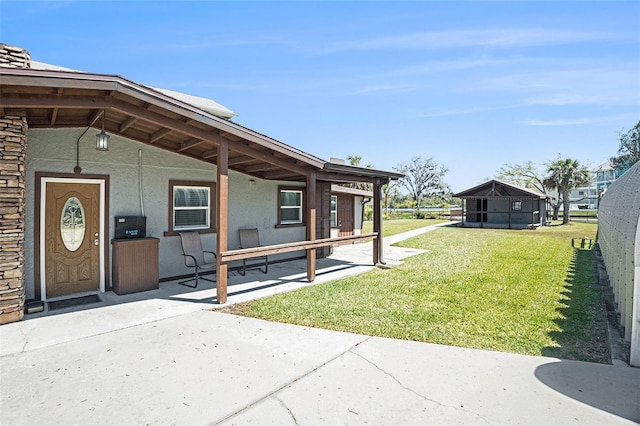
[63, 99]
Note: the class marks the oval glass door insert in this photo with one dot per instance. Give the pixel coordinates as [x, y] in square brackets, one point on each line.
[72, 224]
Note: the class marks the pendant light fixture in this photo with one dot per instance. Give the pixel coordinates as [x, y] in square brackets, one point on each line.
[102, 139]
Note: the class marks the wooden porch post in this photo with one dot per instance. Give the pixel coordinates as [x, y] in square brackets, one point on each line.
[311, 224]
[377, 222]
[222, 219]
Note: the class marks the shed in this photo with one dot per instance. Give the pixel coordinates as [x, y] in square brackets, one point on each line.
[498, 204]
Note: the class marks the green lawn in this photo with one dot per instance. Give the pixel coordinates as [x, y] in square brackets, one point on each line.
[397, 226]
[526, 292]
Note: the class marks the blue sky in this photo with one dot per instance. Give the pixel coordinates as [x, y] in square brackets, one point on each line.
[472, 84]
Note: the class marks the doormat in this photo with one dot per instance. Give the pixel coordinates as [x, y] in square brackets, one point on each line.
[76, 301]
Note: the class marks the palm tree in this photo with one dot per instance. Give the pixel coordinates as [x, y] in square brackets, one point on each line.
[564, 175]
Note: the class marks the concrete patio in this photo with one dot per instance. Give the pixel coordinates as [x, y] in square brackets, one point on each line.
[164, 357]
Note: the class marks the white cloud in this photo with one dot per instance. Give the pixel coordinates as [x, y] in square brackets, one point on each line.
[485, 38]
[464, 111]
[387, 88]
[579, 121]
[573, 85]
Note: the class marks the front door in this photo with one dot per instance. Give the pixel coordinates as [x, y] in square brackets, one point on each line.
[71, 237]
[345, 215]
[481, 207]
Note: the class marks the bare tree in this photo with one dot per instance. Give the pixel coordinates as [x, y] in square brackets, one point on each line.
[525, 175]
[528, 176]
[389, 193]
[423, 177]
[354, 160]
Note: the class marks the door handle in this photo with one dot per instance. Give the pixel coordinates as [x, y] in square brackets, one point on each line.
[96, 241]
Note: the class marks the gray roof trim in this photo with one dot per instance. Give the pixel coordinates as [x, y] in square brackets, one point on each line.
[361, 171]
[338, 189]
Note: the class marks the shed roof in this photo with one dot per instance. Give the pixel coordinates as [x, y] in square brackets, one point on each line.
[498, 188]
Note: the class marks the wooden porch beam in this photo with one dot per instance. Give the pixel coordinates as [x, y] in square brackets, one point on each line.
[311, 224]
[222, 220]
[95, 117]
[377, 222]
[260, 167]
[209, 154]
[240, 159]
[127, 123]
[159, 135]
[54, 116]
[282, 174]
[190, 144]
[267, 157]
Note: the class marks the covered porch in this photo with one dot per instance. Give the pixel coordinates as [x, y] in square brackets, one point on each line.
[52, 100]
[108, 310]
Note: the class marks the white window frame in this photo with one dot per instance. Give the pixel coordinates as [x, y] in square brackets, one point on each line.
[174, 186]
[333, 207]
[300, 207]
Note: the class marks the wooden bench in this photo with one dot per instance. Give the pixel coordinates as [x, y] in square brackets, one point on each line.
[583, 242]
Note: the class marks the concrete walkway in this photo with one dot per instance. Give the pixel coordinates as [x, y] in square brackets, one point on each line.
[164, 357]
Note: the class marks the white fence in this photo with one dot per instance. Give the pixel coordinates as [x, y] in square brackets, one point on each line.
[619, 240]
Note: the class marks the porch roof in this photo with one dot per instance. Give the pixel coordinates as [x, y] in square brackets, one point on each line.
[68, 99]
[337, 189]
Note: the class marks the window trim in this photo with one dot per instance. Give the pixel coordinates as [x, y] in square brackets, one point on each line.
[302, 190]
[212, 207]
[331, 212]
[514, 204]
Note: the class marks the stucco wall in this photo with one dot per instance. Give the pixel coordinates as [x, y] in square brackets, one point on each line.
[249, 206]
[619, 241]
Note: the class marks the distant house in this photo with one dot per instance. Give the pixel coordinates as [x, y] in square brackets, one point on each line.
[587, 196]
[497, 204]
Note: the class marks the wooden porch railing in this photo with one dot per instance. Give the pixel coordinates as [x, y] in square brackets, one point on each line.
[239, 254]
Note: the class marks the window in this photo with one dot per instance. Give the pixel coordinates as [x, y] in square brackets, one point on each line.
[334, 210]
[517, 205]
[290, 206]
[191, 206]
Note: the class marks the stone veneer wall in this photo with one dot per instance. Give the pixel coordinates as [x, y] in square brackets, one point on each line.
[13, 140]
[13, 146]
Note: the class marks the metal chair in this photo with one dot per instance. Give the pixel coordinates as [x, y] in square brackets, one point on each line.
[250, 238]
[194, 257]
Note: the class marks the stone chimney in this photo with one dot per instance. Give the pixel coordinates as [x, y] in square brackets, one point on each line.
[14, 57]
[13, 146]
